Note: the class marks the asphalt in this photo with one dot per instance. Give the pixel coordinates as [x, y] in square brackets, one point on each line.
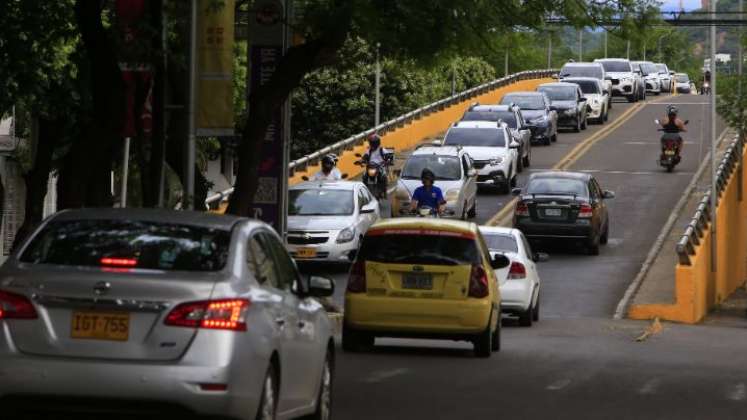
[576, 362]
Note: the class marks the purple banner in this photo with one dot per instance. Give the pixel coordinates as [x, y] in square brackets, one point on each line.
[263, 61]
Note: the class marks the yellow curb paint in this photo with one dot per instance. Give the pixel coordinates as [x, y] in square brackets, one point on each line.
[502, 218]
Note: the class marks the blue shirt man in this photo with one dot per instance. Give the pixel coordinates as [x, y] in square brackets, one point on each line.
[428, 194]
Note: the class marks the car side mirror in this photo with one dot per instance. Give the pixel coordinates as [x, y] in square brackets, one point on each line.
[305, 178]
[553, 108]
[514, 145]
[541, 257]
[352, 254]
[556, 76]
[358, 155]
[516, 192]
[582, 99]
[368, 208]
[321, 287]
[472, 173]
[608, 195]
[499, 261]
[344, 176]
[607, 77]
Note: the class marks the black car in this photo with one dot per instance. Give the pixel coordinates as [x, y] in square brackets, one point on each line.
[568, 100]
[566, 206]
[536, 110]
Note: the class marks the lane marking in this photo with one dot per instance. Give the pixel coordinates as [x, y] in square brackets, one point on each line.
[651, 143]
[650, 386]
[738, 393]
[384, 375]
[558, 385]
[500, 218]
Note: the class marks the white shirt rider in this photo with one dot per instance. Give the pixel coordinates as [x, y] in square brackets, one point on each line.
[333, 175]
[376, 156]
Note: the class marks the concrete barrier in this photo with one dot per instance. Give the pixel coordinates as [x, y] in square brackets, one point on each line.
[698, 287]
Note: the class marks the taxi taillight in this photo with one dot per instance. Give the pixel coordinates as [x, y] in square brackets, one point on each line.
[478, 282]
[357, 278]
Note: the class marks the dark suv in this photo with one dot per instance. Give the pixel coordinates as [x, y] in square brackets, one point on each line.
[536, 110]
[568, 100]
[563, 205]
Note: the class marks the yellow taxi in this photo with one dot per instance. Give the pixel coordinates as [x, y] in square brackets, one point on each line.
[423, 278]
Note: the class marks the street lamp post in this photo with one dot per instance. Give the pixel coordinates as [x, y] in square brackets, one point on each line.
[605, 43]
[581, 45]
[658, 48]
[714, 185]
[377, 116]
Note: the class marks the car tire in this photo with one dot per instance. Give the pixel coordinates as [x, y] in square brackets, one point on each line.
[536, 312]
[464, 212]
[547, 141]
[554, 137]
[633, 98]
[585, 124]
[606, 116]
[472, 213]
[593, 246]
[577, 128]
[512, 183]
[525, 318]
[528, 160]
[324, 397]
[519, 164]
[483, 343]
[605, 236]
[495, 344]
[268, 400]
[354, 341]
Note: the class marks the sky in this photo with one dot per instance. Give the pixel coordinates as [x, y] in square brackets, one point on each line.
[675, 4]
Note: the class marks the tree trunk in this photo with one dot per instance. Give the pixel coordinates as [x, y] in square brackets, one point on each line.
[36, 179]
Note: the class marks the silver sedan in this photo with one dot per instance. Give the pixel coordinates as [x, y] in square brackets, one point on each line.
[153, 311]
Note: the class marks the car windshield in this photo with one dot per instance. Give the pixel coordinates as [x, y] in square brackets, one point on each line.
[662, 68]
[682, 78]
[443, 248]
[485, 137]
[129, 244]
[649, 68]
[587, 86]
[445, 168]
[616, 66]
[506, 116]
[557, 186]
[320, 202]
[582, 71]
[559, 93]
[500, 242]
[524, 101]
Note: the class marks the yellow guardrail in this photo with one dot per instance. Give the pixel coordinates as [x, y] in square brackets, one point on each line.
[699, 286]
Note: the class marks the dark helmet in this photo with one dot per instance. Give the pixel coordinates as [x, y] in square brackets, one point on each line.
[671, 110]
[427, 174]
[328, 161]
[374, 140]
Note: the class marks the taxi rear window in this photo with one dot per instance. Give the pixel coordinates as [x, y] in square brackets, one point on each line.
[419, 247]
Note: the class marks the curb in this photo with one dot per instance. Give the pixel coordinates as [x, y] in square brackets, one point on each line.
[630, 292]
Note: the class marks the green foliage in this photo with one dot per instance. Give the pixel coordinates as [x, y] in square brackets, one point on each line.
[731, 104]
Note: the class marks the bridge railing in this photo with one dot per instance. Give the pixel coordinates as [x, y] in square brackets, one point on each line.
[358, 139]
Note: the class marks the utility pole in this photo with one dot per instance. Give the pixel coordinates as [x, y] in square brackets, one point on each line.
[581, 45]
[605, 43]
[628, 51]
[453, 77]
[549, 50]
[377, 116]
[714, 185]
[189, 164]
[740, 173]
[505, 64]
[644, 49]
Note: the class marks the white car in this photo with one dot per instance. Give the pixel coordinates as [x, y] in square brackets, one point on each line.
[492, 147]
[682, 83]
[624, 80]
[520, 281]
[511, 115]
[651, 76]
[665, 76]
[327, 219]
[597, 99]
[455, 176]
[595, 70]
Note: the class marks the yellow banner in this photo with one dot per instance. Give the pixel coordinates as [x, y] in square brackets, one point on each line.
[215, 37]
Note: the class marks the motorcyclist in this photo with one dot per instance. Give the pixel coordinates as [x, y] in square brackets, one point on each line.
[706, 88]
[672, 126]
[428, 194]
[375, 153]
[328, 172]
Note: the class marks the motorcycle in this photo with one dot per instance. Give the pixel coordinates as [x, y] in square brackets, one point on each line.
[375, 175]
[706, 89]
[426, 211]
[670, 150]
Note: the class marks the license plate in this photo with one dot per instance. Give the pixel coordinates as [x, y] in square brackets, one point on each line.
[417, 281]
[553, 212]
[306, 252]
[113, 326]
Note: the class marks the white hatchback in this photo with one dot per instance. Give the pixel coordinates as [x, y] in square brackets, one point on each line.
[520, 281]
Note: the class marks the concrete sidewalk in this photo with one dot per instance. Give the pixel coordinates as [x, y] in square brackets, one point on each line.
[658, 284]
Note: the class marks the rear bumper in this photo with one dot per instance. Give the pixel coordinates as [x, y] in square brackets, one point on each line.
[546, 230]
[390, 316]
[516, 296]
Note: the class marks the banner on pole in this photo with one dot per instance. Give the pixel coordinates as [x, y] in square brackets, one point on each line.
[214, 115]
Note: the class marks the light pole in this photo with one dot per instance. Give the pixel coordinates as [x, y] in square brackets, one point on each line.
[658, 47]
[581, 45]
[714, 185]
[605, 43]
[628, 51]
[549, 50]
[505, 63]
[644, 49]
[377, 116]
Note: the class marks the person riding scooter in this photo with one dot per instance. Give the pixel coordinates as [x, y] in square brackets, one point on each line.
[328, 172]
[428, 195]
[672, 126]
[376, 159]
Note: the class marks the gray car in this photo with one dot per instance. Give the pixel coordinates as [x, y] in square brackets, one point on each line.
[157, 311]
[569, 101]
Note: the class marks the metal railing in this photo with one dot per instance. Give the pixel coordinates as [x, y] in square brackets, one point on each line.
[696, 228]
[349, 143]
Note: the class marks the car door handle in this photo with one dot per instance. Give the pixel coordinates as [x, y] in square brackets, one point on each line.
[280, 321]
[301, 324]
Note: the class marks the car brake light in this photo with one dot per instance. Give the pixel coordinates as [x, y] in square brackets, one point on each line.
[357, 278]
[478, 282]
[118, 262]
[220, 314]
[13, 306]
[585, 212]
[214, 387]
[517, 271]
[521, 209]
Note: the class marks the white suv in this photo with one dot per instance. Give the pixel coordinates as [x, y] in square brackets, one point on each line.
[624, 80]
[492, 146]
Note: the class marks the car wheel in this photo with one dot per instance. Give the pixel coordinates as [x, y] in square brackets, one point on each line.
[606, 115]
[525, 319]
[548, 141]
[355, 341]
[593, 247]
[268, 400]
[324, 398]
[577, 128]
[495, 344]
[633, 98]
[528, 160]
[519, 164]
[483, 343]
[555, 137]
[464, 212]
[605, 236]
[536, 312]
[585, 124]
[512, 184]
[472, 213]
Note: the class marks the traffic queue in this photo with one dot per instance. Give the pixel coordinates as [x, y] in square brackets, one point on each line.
[209, 314]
